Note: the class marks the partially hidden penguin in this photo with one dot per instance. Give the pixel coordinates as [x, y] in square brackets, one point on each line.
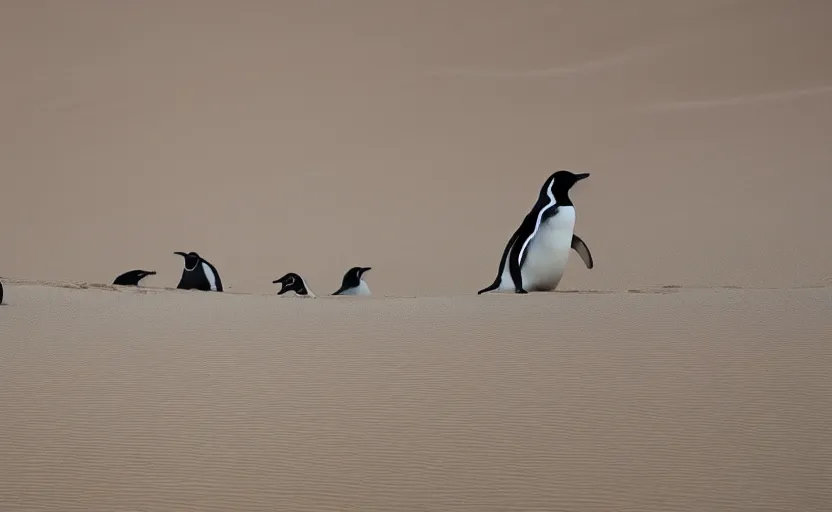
[353, 284]
[133, 277]
[535, 256]
[199, 274]
[292, 282]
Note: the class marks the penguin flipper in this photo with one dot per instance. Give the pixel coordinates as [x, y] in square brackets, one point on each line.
[583, 251]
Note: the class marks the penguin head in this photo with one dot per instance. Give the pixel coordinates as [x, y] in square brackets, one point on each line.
[291, 282]
[356, 273]
[563, 180]
[191, 259]
[141, 274]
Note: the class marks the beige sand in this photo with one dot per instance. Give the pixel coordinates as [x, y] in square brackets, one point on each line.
[312, 136]
[710, 399]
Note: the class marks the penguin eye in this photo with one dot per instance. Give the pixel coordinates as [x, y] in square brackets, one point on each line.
[290, 281]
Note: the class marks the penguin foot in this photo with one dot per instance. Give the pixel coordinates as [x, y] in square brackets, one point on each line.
[520, 290]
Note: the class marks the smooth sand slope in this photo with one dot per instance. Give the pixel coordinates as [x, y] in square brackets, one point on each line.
[710, 399]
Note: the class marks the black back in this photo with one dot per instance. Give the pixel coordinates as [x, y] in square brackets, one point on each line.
[193, 275]
[351, 279]
[292, 282]
[553, 194]
[133, 277]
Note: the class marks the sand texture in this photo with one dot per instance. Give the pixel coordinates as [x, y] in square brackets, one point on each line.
[688, 371]
[654, 401]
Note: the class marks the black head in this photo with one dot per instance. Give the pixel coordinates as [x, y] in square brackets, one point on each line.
[558, 185]
[133, 277]
[291, 282]
[191, 259]
[354, 274]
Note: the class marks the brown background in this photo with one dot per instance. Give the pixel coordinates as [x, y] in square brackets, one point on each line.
[313, 136]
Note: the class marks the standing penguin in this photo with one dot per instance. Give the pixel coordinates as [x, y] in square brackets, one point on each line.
[536, 254]
[199, 274]
[353, 284]
[133, 277]
[292, 282]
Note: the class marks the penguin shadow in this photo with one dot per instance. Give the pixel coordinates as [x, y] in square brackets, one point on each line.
[662, 290]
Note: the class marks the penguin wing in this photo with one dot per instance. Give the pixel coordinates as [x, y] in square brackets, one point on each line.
[582, 250]
[216, 275]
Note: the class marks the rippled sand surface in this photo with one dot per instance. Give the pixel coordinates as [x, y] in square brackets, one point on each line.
[657, 400]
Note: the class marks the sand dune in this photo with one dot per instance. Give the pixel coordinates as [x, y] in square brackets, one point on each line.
[666, 399]
[687, 371]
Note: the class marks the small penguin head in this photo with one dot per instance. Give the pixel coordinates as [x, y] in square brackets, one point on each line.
[291, 282]
[191, 259]
[564, 180]
[358, 272]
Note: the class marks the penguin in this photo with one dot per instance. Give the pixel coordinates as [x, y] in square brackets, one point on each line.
[292, 282]
[133, 277]
[352, 284]
[1, 292]
[536, 254]
[199, 274]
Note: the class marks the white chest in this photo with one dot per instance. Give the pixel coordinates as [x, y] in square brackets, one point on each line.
[361, 289]
[546, 253]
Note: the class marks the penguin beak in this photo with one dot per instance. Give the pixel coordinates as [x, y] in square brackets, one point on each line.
[276, 281]
[365, 269]
[579, 177]
[183, 254]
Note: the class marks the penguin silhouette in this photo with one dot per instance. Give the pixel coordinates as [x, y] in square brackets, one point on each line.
[133, 277]
[198, 274]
